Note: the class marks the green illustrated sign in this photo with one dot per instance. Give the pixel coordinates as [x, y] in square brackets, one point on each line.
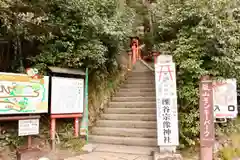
[20, 94]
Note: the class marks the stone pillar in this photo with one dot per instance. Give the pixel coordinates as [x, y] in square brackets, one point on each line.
[130, 61]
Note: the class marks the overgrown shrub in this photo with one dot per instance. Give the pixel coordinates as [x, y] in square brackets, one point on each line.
[203, 37]
[71, 33]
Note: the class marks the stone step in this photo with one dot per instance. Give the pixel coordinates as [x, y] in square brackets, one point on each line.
[139, 72]
[135, 79]
[141, 81]
[130, 141]
[135, 94]
[141, 68]
[135, 72]
[124, 132]
[134, 85]
[129, 117]
[131, 111]
[109, 156]
[152, 89]
[135, 150]
[127, 124]
[133, 99]
[133, 104]
[143, 77]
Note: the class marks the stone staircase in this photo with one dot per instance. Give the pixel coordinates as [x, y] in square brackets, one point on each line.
[129, 123]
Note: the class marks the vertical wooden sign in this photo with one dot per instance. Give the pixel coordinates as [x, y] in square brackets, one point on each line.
[206, 119]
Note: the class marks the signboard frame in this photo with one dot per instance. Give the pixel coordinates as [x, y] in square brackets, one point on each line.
[65, 73]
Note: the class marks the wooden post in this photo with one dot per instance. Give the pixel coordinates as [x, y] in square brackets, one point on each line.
[29, 142]
[137, 50]
[207, 135]
[53, 132]
[130, 61]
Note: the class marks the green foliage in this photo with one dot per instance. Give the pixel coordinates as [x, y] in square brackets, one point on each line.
[230, 130]
[203, 37]
[9, 137]
[13, 140]
[67, 141]
[91, 34]
[72, 33]
[229, 153]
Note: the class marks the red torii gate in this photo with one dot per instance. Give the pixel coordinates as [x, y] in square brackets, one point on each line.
[168, 71]
[135, 49]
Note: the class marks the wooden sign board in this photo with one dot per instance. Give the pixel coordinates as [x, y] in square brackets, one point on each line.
[207, 134]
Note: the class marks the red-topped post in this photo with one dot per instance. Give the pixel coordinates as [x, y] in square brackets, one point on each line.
[134, 57]
[155, 55]
[76, 126]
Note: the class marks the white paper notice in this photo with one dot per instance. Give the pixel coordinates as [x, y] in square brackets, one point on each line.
[166, 100]
[67, 95]
[28, 127]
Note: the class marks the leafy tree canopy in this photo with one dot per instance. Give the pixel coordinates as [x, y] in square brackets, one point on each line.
[72, 33]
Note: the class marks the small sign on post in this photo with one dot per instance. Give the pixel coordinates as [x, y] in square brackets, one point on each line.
[28, 127]
[166, 101]
[206, 119]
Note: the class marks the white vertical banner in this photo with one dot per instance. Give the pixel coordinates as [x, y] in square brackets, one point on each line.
[166, 103]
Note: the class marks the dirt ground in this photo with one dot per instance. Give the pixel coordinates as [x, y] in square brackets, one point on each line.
[40, 148]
